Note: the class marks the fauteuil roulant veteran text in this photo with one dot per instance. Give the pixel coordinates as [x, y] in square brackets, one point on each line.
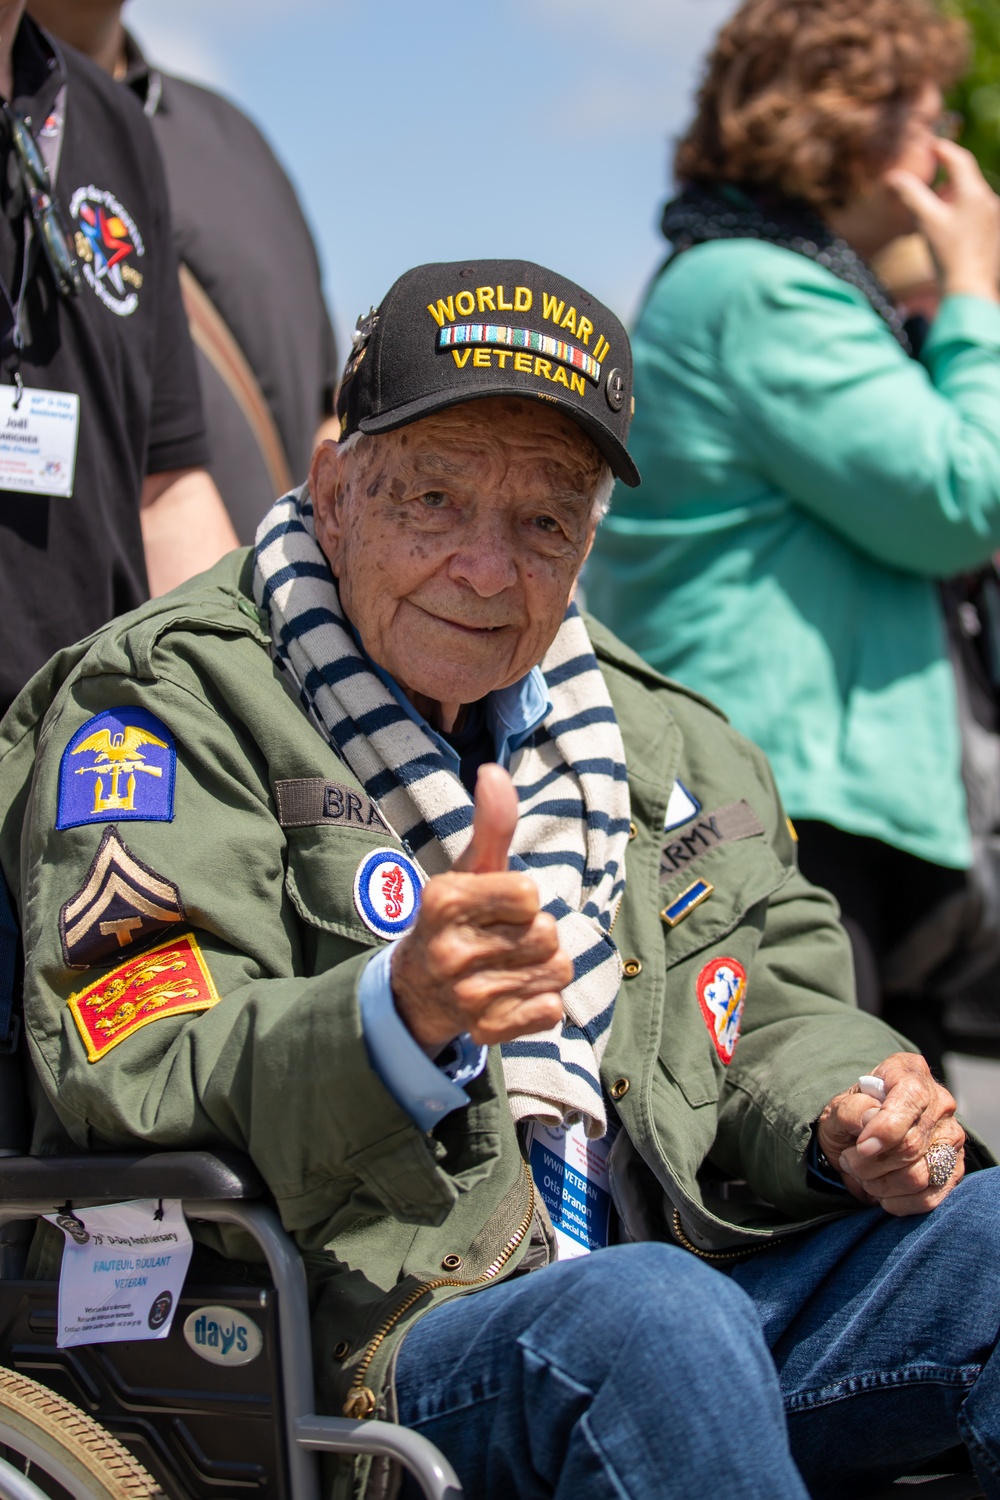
[370, 855]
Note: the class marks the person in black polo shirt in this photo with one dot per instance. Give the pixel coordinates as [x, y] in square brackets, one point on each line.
[250, 276]
[102, 441]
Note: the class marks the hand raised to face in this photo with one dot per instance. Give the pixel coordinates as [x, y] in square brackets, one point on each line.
[482, 957]
[961, 222]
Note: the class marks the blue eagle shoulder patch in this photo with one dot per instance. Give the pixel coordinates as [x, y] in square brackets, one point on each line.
[119, 766]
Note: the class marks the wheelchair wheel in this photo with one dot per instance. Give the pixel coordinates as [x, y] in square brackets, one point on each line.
[62, 1450]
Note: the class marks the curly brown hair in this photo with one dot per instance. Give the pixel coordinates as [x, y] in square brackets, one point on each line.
[810, 98]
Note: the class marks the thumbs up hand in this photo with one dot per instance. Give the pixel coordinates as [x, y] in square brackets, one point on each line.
[493, 823]
[482, 956]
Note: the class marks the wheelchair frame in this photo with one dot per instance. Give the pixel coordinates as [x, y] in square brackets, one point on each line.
[217, 1189]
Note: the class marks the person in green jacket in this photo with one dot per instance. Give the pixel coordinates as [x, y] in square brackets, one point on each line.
[368, 855]
[806, 481]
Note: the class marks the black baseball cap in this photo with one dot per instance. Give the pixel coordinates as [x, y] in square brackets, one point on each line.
[455, 332]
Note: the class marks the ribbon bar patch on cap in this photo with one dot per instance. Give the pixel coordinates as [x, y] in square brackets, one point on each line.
[165, 981]
[121, 902]
[522, 338]
[119, 766]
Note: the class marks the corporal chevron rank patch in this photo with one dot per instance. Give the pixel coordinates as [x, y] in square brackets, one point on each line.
[121, 902]
[164, 981]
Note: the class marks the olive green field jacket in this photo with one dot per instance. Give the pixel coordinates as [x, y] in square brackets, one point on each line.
[277, 1065]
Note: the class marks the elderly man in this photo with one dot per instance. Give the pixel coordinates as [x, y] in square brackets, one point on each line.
[366, 854]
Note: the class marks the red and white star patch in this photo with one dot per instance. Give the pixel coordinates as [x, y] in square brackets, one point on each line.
[721, 989]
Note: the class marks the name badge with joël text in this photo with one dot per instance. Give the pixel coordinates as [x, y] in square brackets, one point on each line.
[38, 435]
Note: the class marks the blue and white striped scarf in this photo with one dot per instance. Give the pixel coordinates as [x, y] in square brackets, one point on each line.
[570, 777]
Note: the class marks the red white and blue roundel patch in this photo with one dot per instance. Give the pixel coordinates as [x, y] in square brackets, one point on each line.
[387, 892]
[722, 988]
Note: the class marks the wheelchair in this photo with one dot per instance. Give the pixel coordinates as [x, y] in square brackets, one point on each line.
[123, 1421]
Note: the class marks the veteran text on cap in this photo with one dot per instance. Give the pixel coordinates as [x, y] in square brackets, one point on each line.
[455, 332]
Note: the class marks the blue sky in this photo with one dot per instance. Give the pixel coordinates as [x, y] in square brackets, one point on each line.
[448, 129]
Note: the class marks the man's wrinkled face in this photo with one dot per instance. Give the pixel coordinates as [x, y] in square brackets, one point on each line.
[456, 541]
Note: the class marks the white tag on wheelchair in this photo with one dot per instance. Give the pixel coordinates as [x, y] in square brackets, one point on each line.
[571, 1173]
[123, 1268]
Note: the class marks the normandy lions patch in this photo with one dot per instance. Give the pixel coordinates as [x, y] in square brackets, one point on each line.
[168, 980]
[721, 988]
[121, 902]
[387, 892]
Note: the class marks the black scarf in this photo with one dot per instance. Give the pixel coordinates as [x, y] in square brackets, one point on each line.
[701, 214]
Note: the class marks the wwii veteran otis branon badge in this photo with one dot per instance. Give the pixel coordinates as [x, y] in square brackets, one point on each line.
[461, 331]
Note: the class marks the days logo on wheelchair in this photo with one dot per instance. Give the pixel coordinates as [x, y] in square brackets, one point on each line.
[223, 1336]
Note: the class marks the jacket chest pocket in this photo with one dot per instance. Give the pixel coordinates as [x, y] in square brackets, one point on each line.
[351, 882]
[713, 911]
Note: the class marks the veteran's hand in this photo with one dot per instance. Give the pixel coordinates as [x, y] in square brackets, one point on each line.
[482, 956]
[881, 1150]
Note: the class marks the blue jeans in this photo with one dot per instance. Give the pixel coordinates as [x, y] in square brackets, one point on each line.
[821, 1366]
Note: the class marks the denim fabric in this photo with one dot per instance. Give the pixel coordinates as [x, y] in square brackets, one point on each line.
[884, 1334]
[636, 1371]
[639, 1371]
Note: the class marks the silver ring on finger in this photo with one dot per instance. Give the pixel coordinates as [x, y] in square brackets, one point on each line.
[942, 1160]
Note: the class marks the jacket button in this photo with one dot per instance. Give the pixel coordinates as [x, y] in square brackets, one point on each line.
[619, 1089]
[631, 967]
[341, 1350]
[632, 831]
[451, 1263]
[360, 1404]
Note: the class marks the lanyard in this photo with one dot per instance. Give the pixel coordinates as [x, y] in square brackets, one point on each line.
[49, 144]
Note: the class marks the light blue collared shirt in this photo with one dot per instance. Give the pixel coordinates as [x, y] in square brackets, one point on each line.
[428, 1090]
[513, 713]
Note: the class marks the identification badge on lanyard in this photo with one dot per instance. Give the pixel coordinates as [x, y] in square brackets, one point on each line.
[38, 433]
[123, 1268]
[571, 1173]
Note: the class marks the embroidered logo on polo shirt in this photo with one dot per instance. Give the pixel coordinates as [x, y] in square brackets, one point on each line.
[109, 244]
[387, 892]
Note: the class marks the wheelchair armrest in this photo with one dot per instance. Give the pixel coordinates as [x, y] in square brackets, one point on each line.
[159, 1174]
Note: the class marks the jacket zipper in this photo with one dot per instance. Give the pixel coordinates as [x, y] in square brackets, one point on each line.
[361, 1400]
[711, 1255]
